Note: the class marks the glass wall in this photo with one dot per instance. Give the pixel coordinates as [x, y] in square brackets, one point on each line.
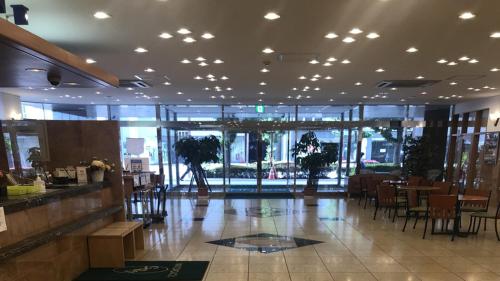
[380, 147]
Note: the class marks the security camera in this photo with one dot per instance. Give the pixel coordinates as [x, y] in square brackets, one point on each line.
[54, 79]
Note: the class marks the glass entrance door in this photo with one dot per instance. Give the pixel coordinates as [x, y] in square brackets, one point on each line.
[242, 161]
[277, 162]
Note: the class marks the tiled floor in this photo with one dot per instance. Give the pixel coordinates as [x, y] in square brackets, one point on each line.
[354, 246]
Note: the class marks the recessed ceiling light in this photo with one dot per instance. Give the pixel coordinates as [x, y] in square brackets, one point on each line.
[189, 40]
[262, 83]
[380, 70]
[467, 16]
[265, 70]
[420, 77]
[348, 40]
[229, 89]
[453, 83]
[302, 77]
[97, 93]
[218, 61]
[402, 100]
[394, 89]
[473, 61]
[289, 97]
[130, 89]
[372, 35]
[90, 61]
[203, 64]
[207, 35]
[183, 31]
[198, 77]
[328, 77]
[356, 31]
[210, 75]
[442, 61]
[423, 93]
[149, 69]
[165, 35]
[495, 34]
[314, 61]
[314, 79]
[167, 83]
[343, 93]
[440, 97]
[272, 16]
[365, 97]
[294, 89]
[317, 88]
[260, 100]
[494, 69]
[464, 58]
[268, 51]
[346, 61]
[358, 83]
[140, 50]
[327, 64]
[261, 93]
[189, 100]
[200, 59]
[224, 78]
[316, 76]
[308, 97]
[331, 59]
[180, 93]
[452, 63]
[101, 15]
[331, 35]
[412, 50]
[185, 61]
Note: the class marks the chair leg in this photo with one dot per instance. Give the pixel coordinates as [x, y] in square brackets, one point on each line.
[454, 231]
[417, 216]
[478, 225]
[360, 197]
[485, 220]
[433, 226]
[406, 220]
[496, 229]
[395, 213]
[375, 214]
[425, 227]
[470, 224]
[366, 201]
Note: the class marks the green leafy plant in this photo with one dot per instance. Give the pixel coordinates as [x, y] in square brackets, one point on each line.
[417, 156]
[195, 152]
[311, 156]
[35, 158]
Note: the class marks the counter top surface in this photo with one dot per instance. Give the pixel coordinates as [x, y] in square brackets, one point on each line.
[12, 204]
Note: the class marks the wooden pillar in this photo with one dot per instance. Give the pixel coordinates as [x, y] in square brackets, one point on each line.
[471, 167]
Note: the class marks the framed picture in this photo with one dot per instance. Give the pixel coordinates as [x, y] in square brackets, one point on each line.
[491, 148]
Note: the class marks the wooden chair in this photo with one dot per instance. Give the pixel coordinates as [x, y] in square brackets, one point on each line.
[476, 206]
[443, 208]
[386, 197]
[363, 183]
[485, 215]
[412, 207]
[371, 190]
[444, 188]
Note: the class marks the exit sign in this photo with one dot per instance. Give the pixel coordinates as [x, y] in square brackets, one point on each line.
[259, 108]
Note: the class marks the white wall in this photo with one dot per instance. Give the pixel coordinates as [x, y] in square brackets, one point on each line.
[10, 107]
[492, 103]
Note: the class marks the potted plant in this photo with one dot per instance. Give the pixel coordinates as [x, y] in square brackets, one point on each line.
[312, 157]
[98, 168]
[417, 156]
[195, 152]
[35, 158]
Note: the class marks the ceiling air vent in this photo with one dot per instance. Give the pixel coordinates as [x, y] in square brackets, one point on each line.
[296, 57]
[406, 83]
[134, 84]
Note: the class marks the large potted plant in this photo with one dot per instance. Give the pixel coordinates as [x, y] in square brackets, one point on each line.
[417, 156]
[195, 152]
[312, 157]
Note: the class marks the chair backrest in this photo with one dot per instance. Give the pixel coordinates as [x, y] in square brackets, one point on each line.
[386, 195]
[412, 198]
[444, 187]
[414, 180]
[442, 206]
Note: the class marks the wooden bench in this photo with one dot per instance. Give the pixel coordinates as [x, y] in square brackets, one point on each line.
[111, 245]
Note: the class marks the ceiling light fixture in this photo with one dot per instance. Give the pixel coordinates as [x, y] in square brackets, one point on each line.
[452, 63]
[494, 69]
[464, 58]
[268, 51]
[453, 83]
[165, 35]
[358, 83]
[224, 78]
[185, 61]
[207, 35]
[356, 31]
[442, 61]
[328, 77]
[262, 83]
[473, 61]
[346, 61]
[412, 50]
[183, 31]
[380, 70]
[101, 15]
[331, 59]
[264, 70]
[202, 64]
[272, 16]
[372, 35]
[314, 61]
[420, 77]
[327, 64]
[189, 40]
[302, 77]
[348, 40]
[140, 50]
[198, 77]
[218, 61]
[180, 93]
[149, 69]
[495, 34]
[331, 35]
[467, 16]
[32, 69]
[90, 61]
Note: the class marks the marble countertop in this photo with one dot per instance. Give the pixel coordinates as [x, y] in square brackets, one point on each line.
[12, 204]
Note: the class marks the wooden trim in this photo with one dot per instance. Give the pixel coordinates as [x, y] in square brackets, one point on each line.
[27, 42]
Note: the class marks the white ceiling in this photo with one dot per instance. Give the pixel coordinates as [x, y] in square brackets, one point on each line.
[241, 32]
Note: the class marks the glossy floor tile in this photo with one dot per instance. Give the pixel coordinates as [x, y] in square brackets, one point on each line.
[314, 240]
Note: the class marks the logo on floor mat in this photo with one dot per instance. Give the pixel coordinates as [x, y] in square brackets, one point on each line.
[142, 269]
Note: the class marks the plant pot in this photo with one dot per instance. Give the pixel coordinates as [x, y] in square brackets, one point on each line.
[203, 191]
[97, 176]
